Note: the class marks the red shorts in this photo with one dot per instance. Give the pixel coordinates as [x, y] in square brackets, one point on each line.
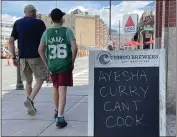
[62, 79]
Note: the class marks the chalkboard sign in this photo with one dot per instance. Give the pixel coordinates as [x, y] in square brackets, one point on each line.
[128, 93]
[126, 101]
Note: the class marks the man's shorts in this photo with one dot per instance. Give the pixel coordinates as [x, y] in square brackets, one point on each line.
[30, 66]
[62, 79]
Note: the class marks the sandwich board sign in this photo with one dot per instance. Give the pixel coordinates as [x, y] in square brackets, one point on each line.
[128, 93]
[130, 23]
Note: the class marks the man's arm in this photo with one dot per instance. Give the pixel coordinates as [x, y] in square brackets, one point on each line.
[12, 47]
[14, 36]
[41, 51]
[42, 48]
[74, 47]
[42, 27]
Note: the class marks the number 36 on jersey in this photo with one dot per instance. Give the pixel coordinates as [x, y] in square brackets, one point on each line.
[57, 51]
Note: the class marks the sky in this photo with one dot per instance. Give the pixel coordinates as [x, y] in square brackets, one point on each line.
[13, 10]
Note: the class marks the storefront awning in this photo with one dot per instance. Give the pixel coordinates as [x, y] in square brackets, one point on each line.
[148, 29]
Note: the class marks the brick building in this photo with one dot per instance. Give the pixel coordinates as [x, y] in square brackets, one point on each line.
[101, 44]
[165, 37]
[101, 35]
[106, 34]
[97, 32]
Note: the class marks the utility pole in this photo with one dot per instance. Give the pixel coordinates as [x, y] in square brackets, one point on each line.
[110, 19]
[119, 33]
[109, 43]
[19, 85]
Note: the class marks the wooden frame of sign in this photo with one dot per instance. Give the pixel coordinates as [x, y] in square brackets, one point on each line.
[122, 103]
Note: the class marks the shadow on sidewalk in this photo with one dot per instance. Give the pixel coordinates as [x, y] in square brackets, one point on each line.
[45, 89]
[11, 99]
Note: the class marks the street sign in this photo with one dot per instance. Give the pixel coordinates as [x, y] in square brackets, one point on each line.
[128, 93]
[130, 23]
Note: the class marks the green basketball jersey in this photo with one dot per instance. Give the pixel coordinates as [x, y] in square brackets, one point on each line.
[58, 51]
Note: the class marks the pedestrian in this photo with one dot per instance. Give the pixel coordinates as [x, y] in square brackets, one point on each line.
[28, 31]
[60, 47]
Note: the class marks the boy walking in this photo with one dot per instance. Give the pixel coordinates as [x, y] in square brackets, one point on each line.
[58, 50]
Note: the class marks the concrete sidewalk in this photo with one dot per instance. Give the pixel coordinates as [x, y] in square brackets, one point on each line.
[15, 121]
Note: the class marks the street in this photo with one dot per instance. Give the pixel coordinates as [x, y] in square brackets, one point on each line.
[15, 121]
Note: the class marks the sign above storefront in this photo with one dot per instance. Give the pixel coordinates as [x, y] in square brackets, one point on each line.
[147, 17]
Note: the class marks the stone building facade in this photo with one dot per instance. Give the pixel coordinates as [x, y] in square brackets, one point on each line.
[85, 30]
[165, 37]
[89, 30]
[46, 19]
[69, 20]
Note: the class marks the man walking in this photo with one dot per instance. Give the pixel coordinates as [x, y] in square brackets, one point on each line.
[28, 32]
[60, 47]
